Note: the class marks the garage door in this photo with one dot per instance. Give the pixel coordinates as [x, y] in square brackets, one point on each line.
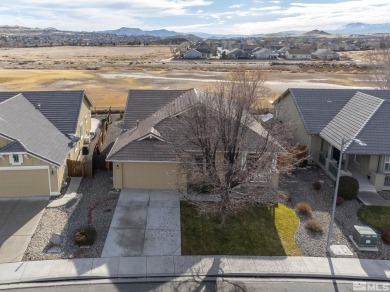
[22, 183]
[150, 175]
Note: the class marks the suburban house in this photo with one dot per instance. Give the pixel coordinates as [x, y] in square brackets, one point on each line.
[322, 117]
[197, 54]
[265, 54]
[325, 55]
[298, 54]
[141, 156]
[39, 131]
[237, 54]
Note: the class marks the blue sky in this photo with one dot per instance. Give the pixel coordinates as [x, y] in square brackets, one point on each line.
[211, 16]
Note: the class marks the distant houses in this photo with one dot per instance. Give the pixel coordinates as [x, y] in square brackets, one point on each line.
[325, 55]
[265, 54]
[198, 53]
[298, 54]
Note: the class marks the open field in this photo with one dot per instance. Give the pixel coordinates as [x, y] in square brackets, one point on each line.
[109, 87]
[107, 73]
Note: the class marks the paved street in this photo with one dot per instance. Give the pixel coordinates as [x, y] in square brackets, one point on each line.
[145, 222]
[19, 218]
[210, 284]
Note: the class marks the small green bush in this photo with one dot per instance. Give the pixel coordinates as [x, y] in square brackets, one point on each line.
[303, 208]
[316, 185]
[313, 226]
[85, 235]
[339, 201]
[348, 187]
[385, 235]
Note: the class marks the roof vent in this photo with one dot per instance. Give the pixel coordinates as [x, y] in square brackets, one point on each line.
[38, 104]
[329, 101]
[137, 123]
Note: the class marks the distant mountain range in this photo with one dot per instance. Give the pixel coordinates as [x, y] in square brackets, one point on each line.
[362, 28]
[139, 32]
[352, 28]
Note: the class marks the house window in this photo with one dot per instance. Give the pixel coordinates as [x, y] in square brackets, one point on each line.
[387, 164]
[16, 159]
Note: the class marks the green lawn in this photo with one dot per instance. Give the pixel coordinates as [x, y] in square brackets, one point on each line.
[253, 231]
[375, 216]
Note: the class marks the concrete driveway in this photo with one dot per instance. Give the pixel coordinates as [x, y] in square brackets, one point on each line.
[145, 222]
[19, 218]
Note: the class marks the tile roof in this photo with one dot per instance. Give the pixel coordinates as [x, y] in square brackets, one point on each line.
[351, 119]
[23, 123]
[317, 107]
[142, 103]
[61, 108]
[13, 147]
[144, 143]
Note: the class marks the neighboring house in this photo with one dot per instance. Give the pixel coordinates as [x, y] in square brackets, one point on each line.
[237, 54]
[197, 54]
[265, 54]
[37, 134]
[321, 117]
[298, 54]
[325, 55]
[141, 157]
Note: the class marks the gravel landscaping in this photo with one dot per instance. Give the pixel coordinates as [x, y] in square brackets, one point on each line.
[95, 198]
[385, 195]
[299, 188]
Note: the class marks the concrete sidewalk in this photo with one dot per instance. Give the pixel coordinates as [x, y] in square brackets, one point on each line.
[175, 266]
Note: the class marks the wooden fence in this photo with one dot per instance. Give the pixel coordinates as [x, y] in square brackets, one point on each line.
[80, 168]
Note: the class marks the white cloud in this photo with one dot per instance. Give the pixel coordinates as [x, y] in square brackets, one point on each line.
[305, 16]
[236, 6]
[275, 1]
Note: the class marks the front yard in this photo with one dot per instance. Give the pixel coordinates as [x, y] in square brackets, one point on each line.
[375, 216]
[253, 231]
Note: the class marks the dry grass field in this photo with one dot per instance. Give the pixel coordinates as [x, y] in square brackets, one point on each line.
[107, 73]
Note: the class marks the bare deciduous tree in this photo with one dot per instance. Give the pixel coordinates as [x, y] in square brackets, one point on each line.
[380, 63]
[224, 151]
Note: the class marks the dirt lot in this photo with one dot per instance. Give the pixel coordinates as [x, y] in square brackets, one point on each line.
[107, 73]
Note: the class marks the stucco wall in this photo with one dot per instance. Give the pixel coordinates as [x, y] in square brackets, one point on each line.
[288, 113]
[85, 120]
[147, 175]
[4, 142]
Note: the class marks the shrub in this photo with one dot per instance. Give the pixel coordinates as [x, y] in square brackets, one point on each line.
[385, 235]
[313, 226]
[85, 235]
[303, 208]
[316, 185]
[348, 187]
[339, 201]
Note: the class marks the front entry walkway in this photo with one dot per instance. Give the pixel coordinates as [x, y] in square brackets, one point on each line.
[145, 223]
[367, 192]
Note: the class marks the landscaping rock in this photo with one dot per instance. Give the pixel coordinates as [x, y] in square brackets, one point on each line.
[54, 250]
[56, 239]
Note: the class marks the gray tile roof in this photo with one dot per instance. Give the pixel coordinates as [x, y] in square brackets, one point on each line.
[351, 119]
[142, 103]
[61, 108]
[13, 147]
[136, 145]
[318, 107]
[22, 122]
[375, 134]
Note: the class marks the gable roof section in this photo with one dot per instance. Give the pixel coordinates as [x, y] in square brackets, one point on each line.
[130, 145]
[142, 103]
[351, 119]
[375, 134]
[128, 148]
[61, 108]
[24, 124]
[317, 107]
[13, 147]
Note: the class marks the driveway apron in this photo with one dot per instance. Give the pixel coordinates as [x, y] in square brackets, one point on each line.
[145, 222]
